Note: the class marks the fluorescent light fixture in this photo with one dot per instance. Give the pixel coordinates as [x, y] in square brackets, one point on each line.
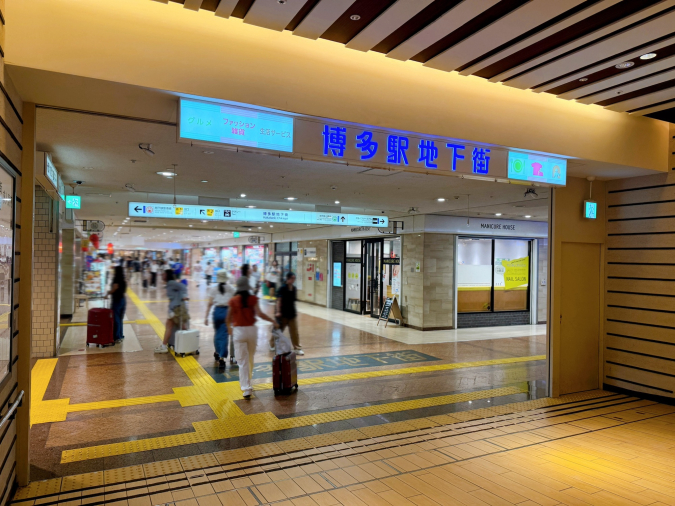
[243, 195]
[291, 198]
[624, 65]
[204, 181]
[648, 56]
[337, 201]
[528, 216]
[441, 200]
[166, 173]
[498, 214]
[251, 207]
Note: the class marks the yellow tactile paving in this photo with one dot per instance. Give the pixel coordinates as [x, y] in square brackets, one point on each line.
[220, 397]
[82, 481]
[123, 474]
[198, 461]
[162, 468]
[212, 430]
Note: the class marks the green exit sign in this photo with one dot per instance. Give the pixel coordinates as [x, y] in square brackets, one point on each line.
[235, 234]
[73, 202]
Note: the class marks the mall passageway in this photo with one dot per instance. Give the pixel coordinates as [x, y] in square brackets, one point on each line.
[97, 409]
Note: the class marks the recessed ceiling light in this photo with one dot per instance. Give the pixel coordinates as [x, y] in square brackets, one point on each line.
[251, 207]
[204, 181]
[441, 200]
[290, 208]
[207, 152]
[498, 214]
[291, 198]
[648, 56]
[167, 173]
[271, 226]
[259, 228]
[190, 226]
[204, 221]
[354, 17]
[624, 65]
[242, 195]
[528, 216]
[583, 79]
[337, 201]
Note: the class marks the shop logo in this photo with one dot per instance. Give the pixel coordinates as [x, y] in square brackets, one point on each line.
[518, 165]
[536, 169]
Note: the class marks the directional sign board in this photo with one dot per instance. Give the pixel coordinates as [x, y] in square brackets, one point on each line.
[215, 213]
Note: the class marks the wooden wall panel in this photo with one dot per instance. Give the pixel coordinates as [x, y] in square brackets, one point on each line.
[639, 341]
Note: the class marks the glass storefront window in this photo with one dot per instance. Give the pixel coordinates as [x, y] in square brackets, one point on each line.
[492, 275]
[392, 267]
[232, 260]
[474, 275]
[6, 269]
[512, 269]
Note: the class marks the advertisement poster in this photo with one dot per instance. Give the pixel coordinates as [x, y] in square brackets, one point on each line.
[337, 274]
[516, 272]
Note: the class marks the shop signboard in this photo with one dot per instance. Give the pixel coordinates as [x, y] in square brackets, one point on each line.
[50, 171]
[238, 126]
[214, 213]
[516, 272]
[61, 188]
[537, 168]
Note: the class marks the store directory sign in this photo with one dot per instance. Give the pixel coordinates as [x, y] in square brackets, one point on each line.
[537, 168]
[214, 213]
[238, 126]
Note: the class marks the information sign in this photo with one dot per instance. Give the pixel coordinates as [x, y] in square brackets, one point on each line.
[537, 168]
[221, 124]
[590, 209]
[73, 202]
[215, 213]
[392, 308]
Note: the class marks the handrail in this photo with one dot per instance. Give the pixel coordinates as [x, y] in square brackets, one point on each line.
[10, 414]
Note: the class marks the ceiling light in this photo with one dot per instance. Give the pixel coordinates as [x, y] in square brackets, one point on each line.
[583, 79]
[204, 221]
[528, 216]
[648, 56]
[242, 195]
[259, 228]
[166, 173]
[271, 226]
[291, 198]
[204, 181]
[207, 152]
[441, 200]
[354, 17]
[498, 214]
[251, 207]
[624, 65]
[190, 226]
[337, 201]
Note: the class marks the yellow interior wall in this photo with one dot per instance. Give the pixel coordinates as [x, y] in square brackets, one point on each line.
[569, 225]
[165, 46]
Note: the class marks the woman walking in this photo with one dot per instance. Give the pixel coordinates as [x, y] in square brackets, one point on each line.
[117, 291]
[178, 312]
[219, 299]
[242, 313]
[272, 277]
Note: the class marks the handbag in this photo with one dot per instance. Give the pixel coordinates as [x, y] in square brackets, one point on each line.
[282, 343]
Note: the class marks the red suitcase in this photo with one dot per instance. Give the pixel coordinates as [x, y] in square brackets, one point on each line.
[284, 374]
[100, 327]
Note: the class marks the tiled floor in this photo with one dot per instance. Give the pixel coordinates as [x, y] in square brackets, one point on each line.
[98, 411]
[595, 448]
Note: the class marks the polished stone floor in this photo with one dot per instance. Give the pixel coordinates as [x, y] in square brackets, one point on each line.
[105, 409]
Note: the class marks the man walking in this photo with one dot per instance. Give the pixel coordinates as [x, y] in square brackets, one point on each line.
[286, 313]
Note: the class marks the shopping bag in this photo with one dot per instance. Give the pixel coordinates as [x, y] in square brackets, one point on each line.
[282, 343]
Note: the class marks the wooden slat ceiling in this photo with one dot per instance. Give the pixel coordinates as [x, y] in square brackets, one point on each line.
[584, 50]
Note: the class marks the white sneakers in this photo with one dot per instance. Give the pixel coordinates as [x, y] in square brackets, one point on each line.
[162, 348]
[299, 352]
[247, 394]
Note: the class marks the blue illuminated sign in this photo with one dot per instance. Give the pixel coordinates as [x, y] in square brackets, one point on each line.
[73, 202]
[537, 168]
[590, 209]
[221, 124]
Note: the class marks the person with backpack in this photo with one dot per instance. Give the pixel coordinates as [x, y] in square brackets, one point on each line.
[241, 319]
[219, 298]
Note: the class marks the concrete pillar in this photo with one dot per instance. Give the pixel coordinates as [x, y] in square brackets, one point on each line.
[25, 242]
[68, 276]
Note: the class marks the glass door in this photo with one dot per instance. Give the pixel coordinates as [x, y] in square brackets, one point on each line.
[373, 277]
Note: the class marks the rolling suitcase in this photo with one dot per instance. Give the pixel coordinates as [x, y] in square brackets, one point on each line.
[100, 327]
[284, 374]
[185, 342]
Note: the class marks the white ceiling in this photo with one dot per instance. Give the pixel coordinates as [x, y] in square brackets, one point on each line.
[99, 150]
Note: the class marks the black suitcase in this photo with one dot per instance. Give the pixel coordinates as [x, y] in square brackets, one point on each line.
[284, 374]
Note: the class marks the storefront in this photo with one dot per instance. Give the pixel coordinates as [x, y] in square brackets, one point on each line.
[364, 273]
[493, 281]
